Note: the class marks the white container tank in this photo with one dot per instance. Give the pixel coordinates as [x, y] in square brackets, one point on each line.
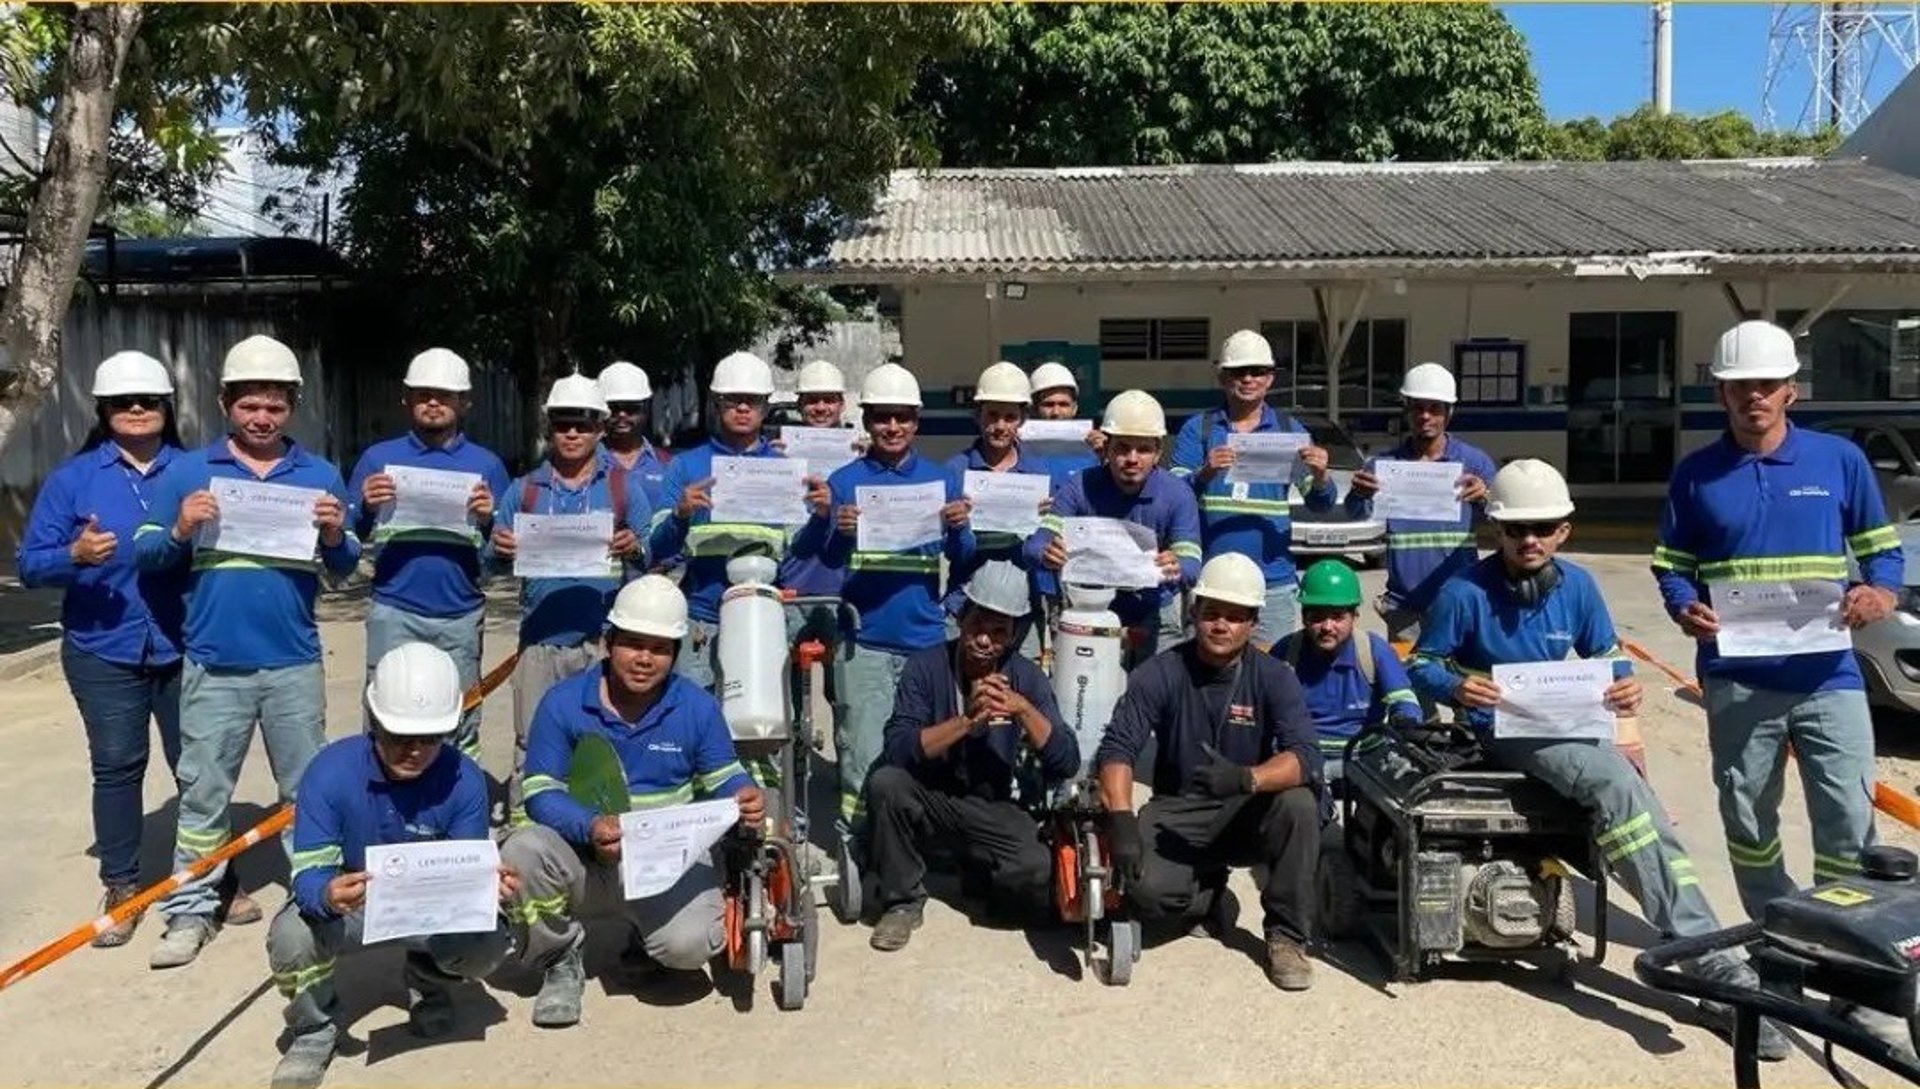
[752, 679]
[1087, 674]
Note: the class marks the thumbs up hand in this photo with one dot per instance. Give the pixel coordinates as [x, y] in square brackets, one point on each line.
[94, 546]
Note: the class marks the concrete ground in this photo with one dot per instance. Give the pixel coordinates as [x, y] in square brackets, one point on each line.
[964, 1004]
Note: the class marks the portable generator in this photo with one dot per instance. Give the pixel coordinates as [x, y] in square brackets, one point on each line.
[1438, 857]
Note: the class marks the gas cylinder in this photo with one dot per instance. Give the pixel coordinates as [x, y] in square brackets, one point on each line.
[752, 679]
[1087, 676]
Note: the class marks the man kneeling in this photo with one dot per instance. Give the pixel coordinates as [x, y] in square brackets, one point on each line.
[399, 783]
[673, 744]
[949, 762]
[1235, 777]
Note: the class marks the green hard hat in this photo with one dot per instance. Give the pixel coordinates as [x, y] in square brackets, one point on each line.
[1330, 584]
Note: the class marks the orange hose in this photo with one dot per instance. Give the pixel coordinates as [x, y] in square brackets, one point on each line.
[276, 822]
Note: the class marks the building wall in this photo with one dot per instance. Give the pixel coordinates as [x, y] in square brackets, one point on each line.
[950, 331]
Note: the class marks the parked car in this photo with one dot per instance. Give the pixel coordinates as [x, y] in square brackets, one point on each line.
[1889, 652]
[1889, 443]
[1332, 533]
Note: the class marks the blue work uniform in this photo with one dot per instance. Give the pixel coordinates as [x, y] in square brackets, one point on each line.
[990, 545]
[570, 611]
[649, 468]
[426, 572]
[1733, 516]
[982, 764]
[1477, 622]
[1164, 504]
[1254, 520]
[1340, 698]
[1421, 555]
[704, 544]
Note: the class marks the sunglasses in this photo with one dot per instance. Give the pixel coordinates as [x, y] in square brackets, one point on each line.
[148, 401]
[563, 424]
[1520, 531]
[409, 741]
[627, 408]
[892, 415]
[1251, 372]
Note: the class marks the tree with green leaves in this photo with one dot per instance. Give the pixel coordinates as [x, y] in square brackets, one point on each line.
[1108, 85]
[1647, 134]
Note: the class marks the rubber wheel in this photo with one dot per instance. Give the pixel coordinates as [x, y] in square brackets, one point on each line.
[809, 933]
[1566, 911]
[1336, 891]
[1123, 951]
[849, 898]
[795, 975]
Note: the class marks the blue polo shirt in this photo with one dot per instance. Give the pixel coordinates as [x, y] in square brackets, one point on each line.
[1340, 698]
[896, 593]
[244, 612]
[991, 545]
[1735, 516]
[1423, 554]
[706, 545]
[347, 804]
[649, 468]
[112, 610]
[982, 764]
[570, 611]
[427, 572]
[1254, 520]
[1164, 504]
[1475, 624]
[678, 749]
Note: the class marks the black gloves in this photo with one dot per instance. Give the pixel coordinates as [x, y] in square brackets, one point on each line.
[1123, 844]
[1220, 777]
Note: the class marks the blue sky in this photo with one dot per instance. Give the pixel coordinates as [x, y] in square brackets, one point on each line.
[1598, 59]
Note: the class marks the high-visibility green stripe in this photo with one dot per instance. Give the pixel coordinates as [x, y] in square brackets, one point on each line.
[208, 560]
[1762, 856]
[1399, 695]
[539, 784]
[319, 858]
[1682, 881]
[894, 561]
[1053, 522]
[659, 518]
[305, 979]
[722, 539]
[149, 527]
[994, 540]
[1775, 569]
[653, 799]
[765, 771]
[1839, 867]
[532, 911]
[1681, 864]
[716, 778]
[386, 535]
[1186, 550]
[1334, 745]
[1672, 559]
[1638, 842]
[1624, 829]
[1181, 471]
[199, 841]
[1221, 504]
[852, 806]
[1428, 540]
[1877, 539]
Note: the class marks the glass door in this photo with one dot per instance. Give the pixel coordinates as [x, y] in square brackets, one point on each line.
[1621, 412]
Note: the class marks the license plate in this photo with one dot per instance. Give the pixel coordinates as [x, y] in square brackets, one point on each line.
[1325, 536]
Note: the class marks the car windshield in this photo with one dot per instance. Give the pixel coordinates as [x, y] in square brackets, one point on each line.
[1342, 451]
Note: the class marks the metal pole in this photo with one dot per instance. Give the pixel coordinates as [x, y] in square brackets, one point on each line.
[1663, 57]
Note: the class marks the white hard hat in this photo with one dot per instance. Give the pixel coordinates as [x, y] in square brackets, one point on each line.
[1053, 376]
[1003, 384]
[131, 372]
[622, 381]
[415, 691]
[1429, 382]
[1001, 587]
[1135, 414]
[820, 376]
[890, 384]
[1233, 578]
[1754, 349]
[1528, 490]
[1245, 348]
[260, 359]
[650, 605]
[742, 373]
[576, 392]
[438, 368]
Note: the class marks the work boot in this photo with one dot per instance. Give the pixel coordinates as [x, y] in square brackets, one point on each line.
[1287, 965]
[236, 907]
[429, 997]
[1726, 968]
[186, 935]
[558, 1003]
[121, 932]
[304, 1066]
[896, 926]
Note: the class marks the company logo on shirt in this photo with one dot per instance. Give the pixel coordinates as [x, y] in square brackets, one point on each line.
[1240, 714]
[1559, 637]
[425, 831]
[1810, 491]
[663, 746]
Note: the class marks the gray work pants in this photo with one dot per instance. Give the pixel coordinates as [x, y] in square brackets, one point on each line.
[541, 666]
[680, 928]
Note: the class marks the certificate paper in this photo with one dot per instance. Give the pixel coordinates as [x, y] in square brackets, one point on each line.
[1006, 502]
[1775, 619]
[759, 491]
[1054, 438]
[442, 887]
[658, 845]
[564, 546]
[821, 449]
[1554, 699]
[1425, 491]
[261, 519]
[1109, 552]
[430, 499]
[1264, 457]
[899, 517]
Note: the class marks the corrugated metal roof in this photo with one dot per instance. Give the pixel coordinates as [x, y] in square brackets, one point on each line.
[1278, 215]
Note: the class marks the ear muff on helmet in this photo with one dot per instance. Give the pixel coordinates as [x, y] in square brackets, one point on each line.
[1533, 588]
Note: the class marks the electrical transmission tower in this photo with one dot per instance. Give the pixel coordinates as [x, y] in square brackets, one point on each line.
[1825, 61]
